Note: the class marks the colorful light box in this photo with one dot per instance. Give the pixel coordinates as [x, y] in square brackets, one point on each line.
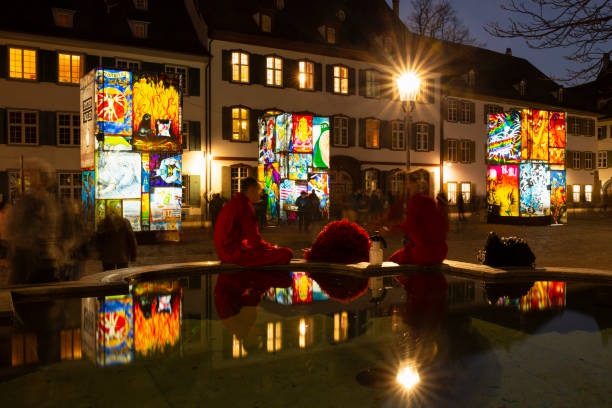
[526, 172]
[131, 147]
[293, 157]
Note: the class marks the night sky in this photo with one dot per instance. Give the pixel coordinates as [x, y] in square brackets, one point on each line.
[476, 13]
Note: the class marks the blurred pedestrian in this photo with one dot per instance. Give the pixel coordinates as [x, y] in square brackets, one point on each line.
[461, 207]
[261, 210]
[74, 239]
[314, 207]
[303, 211]
[216, 203]
[3, 244]
[116, 243]
[604, 202]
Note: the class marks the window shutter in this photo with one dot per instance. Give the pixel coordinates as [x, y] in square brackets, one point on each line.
[194, 190]
[254, 115]
[318, 77]
[363, 180]
[3, 61]
[592, 127]
[226, 182]
[413, 136]
[332, 130]
[472, 151]
[352, 124]
[569, 159]
[362, 82]
[226, 65]
[195, 138]
[47, 65]
[257, 68]
[431, 137]
[146, 66]
[472, 106]
[609, 159]
[194, 82]
[445, 189]
[445, 108]
[47, 130]
[362, 132]
[226, 123]
[387, 134]
[329, 78]
[385, 183]
[351, 81]
[445, 150]
[486, 113]
[3, 125]
[4, 186]
[109, 62]
[253, 171]
[91, 62]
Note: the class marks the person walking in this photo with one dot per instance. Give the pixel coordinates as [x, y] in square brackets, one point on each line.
[216, 203]
[261, 210]
[303, 209]
[461, 207]
[116, 243]
[314, 205]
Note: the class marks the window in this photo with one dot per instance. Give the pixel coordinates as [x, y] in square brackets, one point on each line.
[588, 193]
[240, 67]
[576, 160]
[306, 332]
[466, 111]
[68, 129]
[23, 127]
[471, 78]
[398, 180]
[452, 193]
[589, 127]
[330, 35]
[238, 174]
[489, 110]
[576, 193]
[602, 160]
[341, 326]
[422, 136]
[185, 135]
[581, 126]
[266, 23]
[141, 4]
[341, 15]
[601, 132]
[140, 29]
[372, 84]
[452, 110]
[466, 191]
[69, 68]
[340, 80]
[465, 151]
[177, 69]
[398, 135]
[70, 344]
[274, 71]
[280, 4]
[372, 133]
[63, 17]
[22, 63]
[452, 150]
[24, 349]
[69, 185]
[306, 74]
[371, 180]
[240, 124]
[128, 64]
[274, 337]
[523, 87]
[238, 350]
[340, 131]
[588, 160]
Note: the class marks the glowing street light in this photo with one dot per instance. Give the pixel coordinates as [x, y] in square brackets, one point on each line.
[408, 85]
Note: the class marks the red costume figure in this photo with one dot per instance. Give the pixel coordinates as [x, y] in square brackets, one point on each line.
[236, 235]
[340, 242]
[425, 227]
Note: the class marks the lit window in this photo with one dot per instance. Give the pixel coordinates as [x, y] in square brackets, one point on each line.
[240, 124]
[466, 109]
[576, 160]
[588, 193]
[22, 63]
[140, 29]
[63, 17]
[128, 64]
[69, 185]
[68, 129]
[330, 34]
[185, 136]
[422, 137]
[306, 74]
[266, 23]
[465, 151]
[280, 4]
[452, 193]
[340, 131]
[141, 4]
[69, 68]
[398, 135]
[372, 84]
[177, 69]
[23, 127]
[240, 67]
[274, 71]
[576, 193]
[274, 337]
[340, 326]
[237, 175]
[372, 132]
[452, 150]
[602, 160]
[371, 180]
[70, 344]
[238, 350]
[588, 160]
[341, 80]
[398, 181]
[466, 191]
[452, 110]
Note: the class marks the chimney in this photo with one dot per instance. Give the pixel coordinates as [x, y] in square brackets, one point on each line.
[509, 51]
[396, 7]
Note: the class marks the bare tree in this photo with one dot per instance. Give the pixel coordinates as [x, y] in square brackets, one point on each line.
[438, 19]
[582, 26]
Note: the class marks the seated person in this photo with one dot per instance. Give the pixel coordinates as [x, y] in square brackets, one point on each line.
[236, 235]
[425, 229]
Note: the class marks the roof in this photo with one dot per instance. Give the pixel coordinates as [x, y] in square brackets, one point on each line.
[596, 94]
[170, 26]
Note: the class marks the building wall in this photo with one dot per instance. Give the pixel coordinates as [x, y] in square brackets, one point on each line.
[604, 145]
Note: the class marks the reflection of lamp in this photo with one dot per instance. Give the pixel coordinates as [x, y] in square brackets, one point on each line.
[408, 377]
[408, 85]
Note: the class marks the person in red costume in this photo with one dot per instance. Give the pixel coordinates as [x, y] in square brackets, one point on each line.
[236, 235]
[425, 229]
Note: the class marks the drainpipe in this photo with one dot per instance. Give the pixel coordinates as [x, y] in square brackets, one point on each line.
[441, 138]
[208, 132]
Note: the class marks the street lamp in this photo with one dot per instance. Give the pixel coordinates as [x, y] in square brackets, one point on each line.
[408, 85]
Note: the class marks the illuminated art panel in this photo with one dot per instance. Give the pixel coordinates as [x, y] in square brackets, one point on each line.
[543, 295]
[115, 331]
[319, 183]
[116, 144]
[534, 189]
[290, 191]
[504, 143]
[118, 175]
[271, 184]
[556, 155]
[298, 165]
[88, 192]
[88, 119]
[558, 197]
[320, 129]
[302, 134]
[284, 133]
[165, 207]
[145, 219]
[266, 139]
[131, 212]
[157, 112]
[113, 102]
[556, 129]
[165, 170]
[114, 207]
[503, 190]
[534, 134]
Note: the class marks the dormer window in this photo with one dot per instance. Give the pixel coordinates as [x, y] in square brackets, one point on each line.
[63, 18]
[341, 15]
[330, 35]
[560, 95]
[266, 23]
[523, 87]
[471, 78]
[141, 4]
[280, 4]
[387, 44]
[140, 29]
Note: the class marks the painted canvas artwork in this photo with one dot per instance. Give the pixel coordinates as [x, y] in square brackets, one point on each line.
[88, 189]
[302, 134]
[131, 212]
[116, 144]
[118, 175]
[504, 143]
[165, 207]
[534, 130]
[319, 183]
[114, 207]
[320, 129]
[558, 197]
[114, 102]
[534, 189]
[290, 191]
[89, 119]
[271, 185]
[145, 219]
[298, 165]
[503, 190]
[284, 133]
[556, 129]
[165, 170]
[556, 155]
[266, 127]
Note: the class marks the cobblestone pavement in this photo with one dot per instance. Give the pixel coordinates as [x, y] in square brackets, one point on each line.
[585, 242]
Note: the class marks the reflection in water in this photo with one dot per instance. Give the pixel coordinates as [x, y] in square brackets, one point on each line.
[408, 377]
[340, 326]
[530, 296]
[274, 337]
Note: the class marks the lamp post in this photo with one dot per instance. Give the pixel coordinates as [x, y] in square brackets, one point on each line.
[408, 87]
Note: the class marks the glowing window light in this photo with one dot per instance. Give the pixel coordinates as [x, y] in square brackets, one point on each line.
[275, 337]
[305, 333]
[238, 348]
